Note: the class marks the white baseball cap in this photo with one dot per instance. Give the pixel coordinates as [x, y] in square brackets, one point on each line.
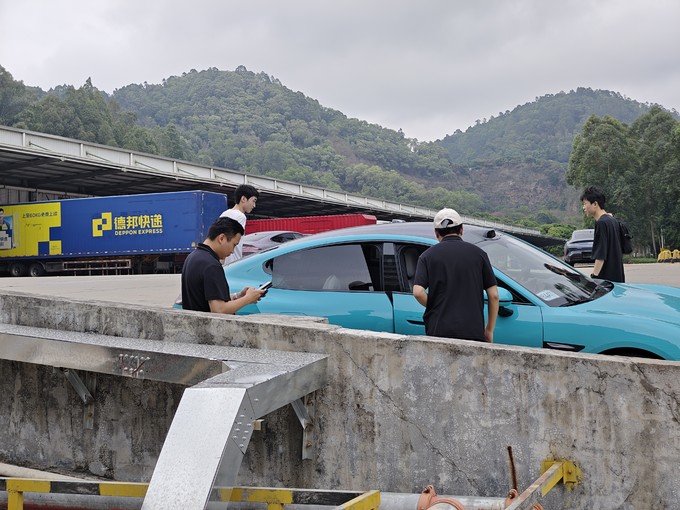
[447, 218]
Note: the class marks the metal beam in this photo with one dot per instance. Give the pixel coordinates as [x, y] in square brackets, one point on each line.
[32, 183]
[20, 165]
[126, 357]
[213, 424]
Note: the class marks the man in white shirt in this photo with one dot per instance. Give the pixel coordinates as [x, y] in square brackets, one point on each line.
[245, 200]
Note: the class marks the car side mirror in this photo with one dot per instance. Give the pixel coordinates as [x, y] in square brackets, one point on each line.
[504, 296]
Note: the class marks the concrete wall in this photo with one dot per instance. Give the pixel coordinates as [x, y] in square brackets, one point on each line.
[398, 413]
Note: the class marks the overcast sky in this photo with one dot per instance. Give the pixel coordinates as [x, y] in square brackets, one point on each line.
[427, 67]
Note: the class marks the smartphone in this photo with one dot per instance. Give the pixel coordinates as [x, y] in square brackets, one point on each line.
[265, 286]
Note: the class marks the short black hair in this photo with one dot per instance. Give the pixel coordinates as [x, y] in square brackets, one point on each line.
[227, 226]
[245, 190]
[592, 195]
[449, 230]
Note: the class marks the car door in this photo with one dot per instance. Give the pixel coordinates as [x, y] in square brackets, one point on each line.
[341, 282]
[519, 321]
[408, 313]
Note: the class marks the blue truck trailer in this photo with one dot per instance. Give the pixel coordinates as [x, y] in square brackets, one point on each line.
[146, 233]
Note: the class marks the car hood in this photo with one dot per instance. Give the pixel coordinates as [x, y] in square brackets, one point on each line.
[641, 301]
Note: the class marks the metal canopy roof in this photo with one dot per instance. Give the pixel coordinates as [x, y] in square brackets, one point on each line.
[41, 162]
[38, 161]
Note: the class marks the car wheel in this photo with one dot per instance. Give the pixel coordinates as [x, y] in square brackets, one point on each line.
[17, 269]
[36, 269]
[634, 353]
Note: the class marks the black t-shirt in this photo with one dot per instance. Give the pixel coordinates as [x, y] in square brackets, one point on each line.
[456, 273]
[203, 279]
[607, 247]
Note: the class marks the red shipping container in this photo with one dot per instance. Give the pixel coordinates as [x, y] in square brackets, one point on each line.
[310, 224]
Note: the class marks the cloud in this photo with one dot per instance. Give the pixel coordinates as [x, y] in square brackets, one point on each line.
[427, 67]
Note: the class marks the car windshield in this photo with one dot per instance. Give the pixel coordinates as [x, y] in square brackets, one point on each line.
[553, 282]
[582, 235]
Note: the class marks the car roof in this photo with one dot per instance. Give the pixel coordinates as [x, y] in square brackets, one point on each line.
[424, 229]
[385, 232]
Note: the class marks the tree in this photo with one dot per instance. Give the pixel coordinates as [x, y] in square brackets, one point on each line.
[603, 156]
[636, 168]
[14, 98]
[656, 191]
[51, 115]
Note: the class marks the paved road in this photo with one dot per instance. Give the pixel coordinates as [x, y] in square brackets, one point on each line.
[160, 290]
[663, 274]
[154, 290]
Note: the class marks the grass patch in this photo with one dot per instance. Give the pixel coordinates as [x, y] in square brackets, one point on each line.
[638, 260]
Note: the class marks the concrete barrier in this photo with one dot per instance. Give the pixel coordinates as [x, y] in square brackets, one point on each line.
[398, 413]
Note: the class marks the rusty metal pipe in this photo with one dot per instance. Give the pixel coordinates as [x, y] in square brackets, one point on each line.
[388, 501]
[393, 501]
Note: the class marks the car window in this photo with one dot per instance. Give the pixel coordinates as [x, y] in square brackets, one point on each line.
[343, 267]
[407, 255]
[285, 236]
[553, 282]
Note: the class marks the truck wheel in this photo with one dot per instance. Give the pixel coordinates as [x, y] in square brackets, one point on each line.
[36, 269]
[17, 269]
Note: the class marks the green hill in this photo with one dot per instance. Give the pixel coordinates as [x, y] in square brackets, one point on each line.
[542, 130]
[512, 165]
[517, 161]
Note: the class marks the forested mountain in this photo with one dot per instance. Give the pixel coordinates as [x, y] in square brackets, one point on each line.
[540, 130]
[246, 122]
[518, 160]
[252, 123]
[512, 165]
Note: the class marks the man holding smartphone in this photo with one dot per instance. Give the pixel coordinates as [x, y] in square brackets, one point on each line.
[204, 284]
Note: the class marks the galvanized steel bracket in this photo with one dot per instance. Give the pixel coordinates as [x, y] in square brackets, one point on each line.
[571, 474]
[85, 391]
[552, 472]
[78, 385]
[304, 409]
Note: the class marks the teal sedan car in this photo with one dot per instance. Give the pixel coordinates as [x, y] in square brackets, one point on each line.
[362, 277]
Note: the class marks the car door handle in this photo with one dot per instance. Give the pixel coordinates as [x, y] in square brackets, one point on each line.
[504, 312]
[417, 323]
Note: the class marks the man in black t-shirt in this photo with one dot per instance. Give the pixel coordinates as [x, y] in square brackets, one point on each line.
[607, 242]
[449, 282]
[204, 285]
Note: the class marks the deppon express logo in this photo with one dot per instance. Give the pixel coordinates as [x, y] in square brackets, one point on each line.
[143, 224]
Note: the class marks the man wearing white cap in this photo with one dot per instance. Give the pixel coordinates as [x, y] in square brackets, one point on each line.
[245, 200]
[449, 282]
